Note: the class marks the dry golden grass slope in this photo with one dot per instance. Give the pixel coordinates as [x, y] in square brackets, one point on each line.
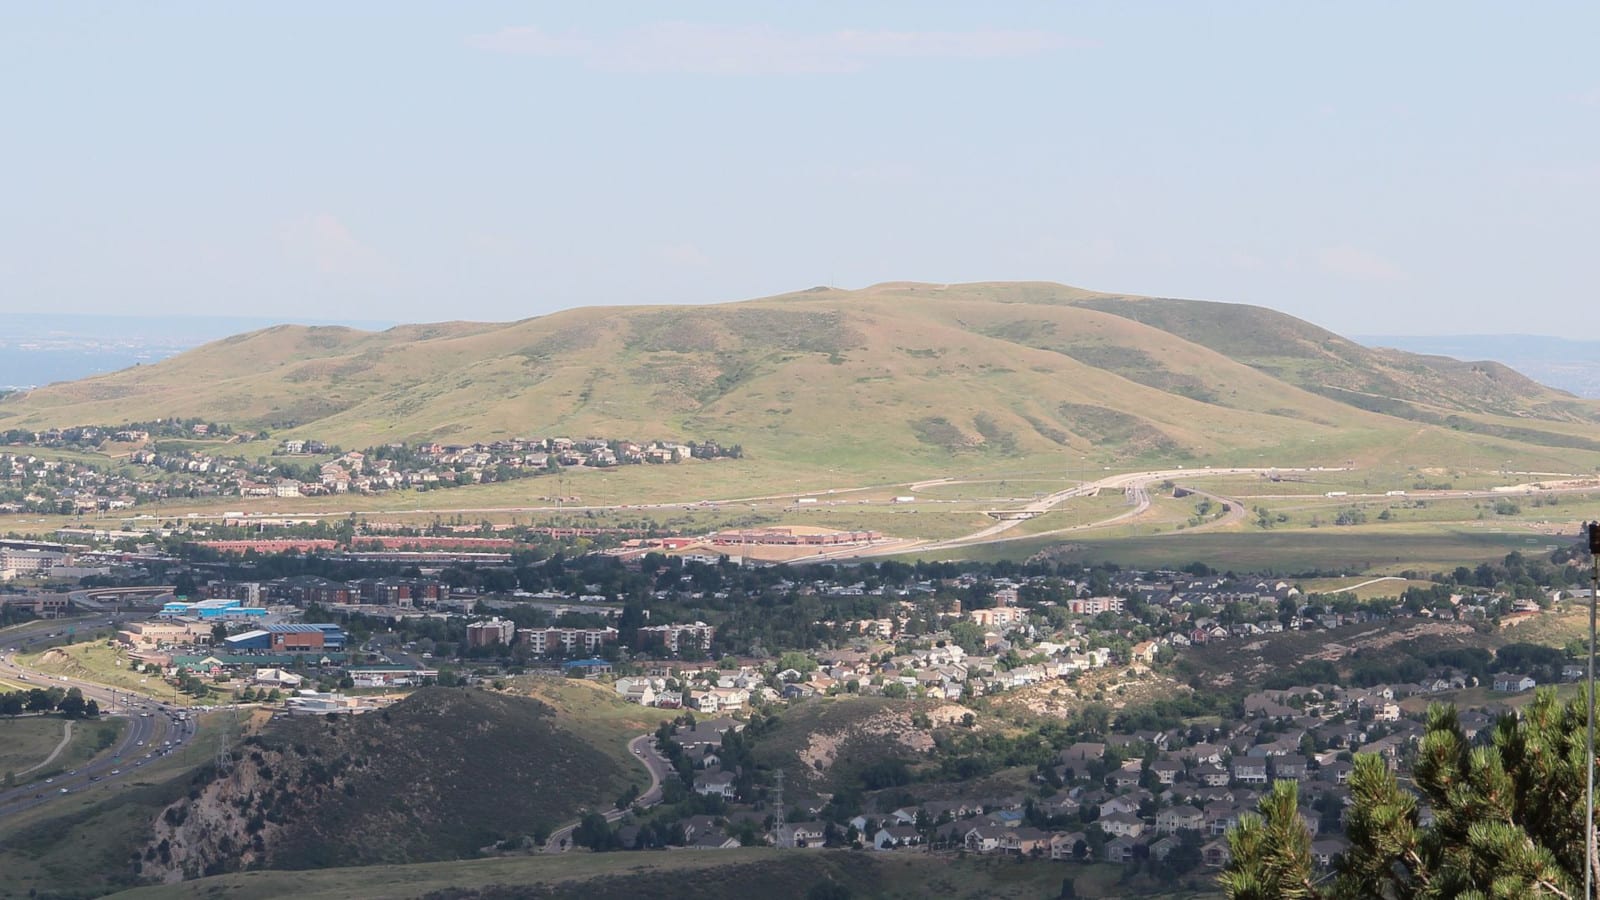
[893, 378]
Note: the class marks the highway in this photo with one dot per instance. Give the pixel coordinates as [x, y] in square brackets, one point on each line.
[150, 723]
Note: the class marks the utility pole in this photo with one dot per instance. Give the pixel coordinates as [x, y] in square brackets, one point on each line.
[1593, 529]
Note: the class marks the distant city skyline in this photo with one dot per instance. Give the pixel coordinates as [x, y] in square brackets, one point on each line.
[1425, 169]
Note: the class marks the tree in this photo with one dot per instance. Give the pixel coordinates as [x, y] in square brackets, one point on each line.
[1271, 851]
[595, 833]
[72, 705]
[1508, 818]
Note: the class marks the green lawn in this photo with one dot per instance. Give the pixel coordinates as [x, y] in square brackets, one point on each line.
[26, 741]
[97, 662]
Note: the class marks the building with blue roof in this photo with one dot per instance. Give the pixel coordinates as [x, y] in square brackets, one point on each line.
[587, 668]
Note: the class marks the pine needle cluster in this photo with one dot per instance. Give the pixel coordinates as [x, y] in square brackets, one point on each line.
[1508, 819]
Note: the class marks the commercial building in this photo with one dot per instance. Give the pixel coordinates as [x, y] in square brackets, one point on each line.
[30, 560]
[289, 638]
[224, 608]
[150, 635]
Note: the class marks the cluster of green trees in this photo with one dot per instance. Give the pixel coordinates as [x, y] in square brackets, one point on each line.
[1402, 663]
[69, 703]
[1508, 819]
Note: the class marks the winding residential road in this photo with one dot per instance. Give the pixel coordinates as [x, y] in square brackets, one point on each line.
[642, 748]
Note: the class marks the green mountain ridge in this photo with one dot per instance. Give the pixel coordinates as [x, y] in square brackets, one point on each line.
[899, 377]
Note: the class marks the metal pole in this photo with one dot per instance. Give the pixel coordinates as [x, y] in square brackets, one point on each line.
[1588, 758]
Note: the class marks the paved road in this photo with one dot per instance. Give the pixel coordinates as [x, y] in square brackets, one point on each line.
[1135, 484]
[644, 750]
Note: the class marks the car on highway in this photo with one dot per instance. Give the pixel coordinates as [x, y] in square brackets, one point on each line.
[116, 771]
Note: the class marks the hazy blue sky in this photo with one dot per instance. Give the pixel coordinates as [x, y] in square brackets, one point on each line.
[1373, 167]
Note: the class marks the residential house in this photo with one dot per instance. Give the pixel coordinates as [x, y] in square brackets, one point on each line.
[799, 835]
[1178, 818]
[1167, 770]
[1064, 845]
[717, 783]
[1513, 684]
[1119, 849]
[1123, 824]
[1250, 770]
[1292, 767]
[891, 837]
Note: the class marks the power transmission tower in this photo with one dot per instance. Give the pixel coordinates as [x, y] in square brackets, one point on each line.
[777, 798]
[224, 755]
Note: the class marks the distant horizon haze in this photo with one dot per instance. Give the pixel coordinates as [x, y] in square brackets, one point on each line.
[1374, 168]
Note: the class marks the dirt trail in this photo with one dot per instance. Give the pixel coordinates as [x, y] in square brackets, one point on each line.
[65, 740]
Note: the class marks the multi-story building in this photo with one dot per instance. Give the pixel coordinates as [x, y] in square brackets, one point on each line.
[398, 591]
[306, 589]
[1094, 606]
[675, 638]
[490, 632]
[28, 560]
[571, 641]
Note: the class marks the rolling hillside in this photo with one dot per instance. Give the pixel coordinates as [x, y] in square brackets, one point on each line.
[439, 775]
[900, 378]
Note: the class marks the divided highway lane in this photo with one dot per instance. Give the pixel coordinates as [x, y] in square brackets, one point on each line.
[149, 729]
[144, 735]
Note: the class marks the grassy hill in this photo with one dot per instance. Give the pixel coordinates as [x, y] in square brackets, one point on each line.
[439, 775]
[709, 875]
[824, 745]
[889, 381]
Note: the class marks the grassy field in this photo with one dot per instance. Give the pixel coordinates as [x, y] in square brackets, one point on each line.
[97, 662]
[88, 740]
[1363, 587]
[596, 714]
[730, 874]
[1376, 550]
[26, 741]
